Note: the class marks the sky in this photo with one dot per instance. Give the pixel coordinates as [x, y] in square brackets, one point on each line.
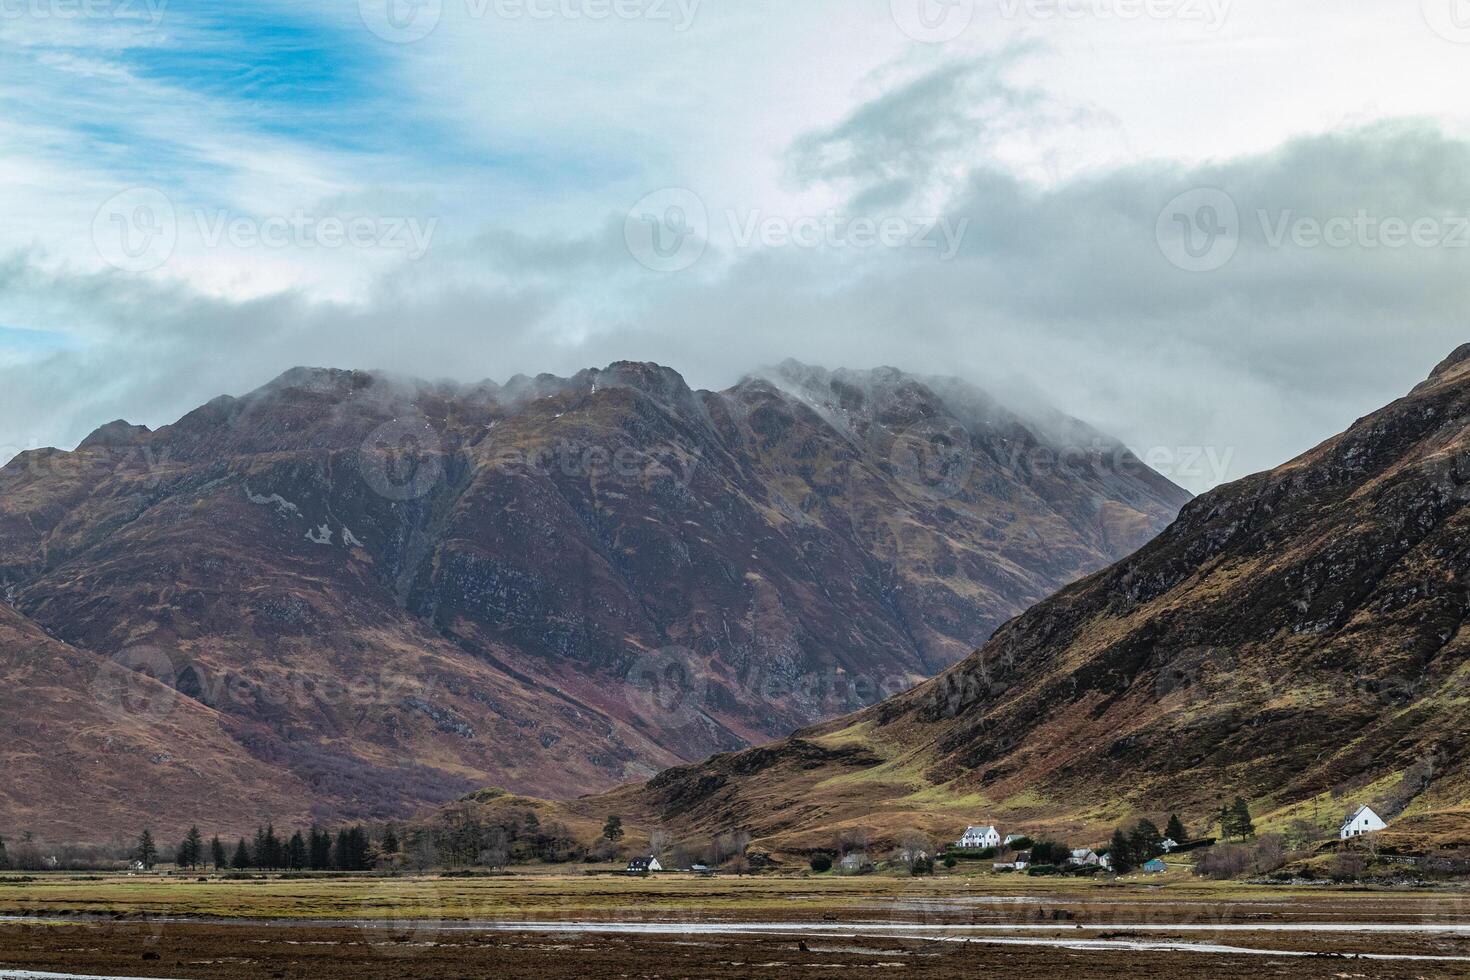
[1221, 230]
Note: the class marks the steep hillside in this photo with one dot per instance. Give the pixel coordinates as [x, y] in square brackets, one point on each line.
[1295, 638]
[395, 591]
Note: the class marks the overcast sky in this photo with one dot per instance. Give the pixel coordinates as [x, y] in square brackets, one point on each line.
[1227, 224]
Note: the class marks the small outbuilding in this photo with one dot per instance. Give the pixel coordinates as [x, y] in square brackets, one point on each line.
[1155, 867]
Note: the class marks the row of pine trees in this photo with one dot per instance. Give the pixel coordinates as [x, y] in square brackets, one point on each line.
[316, 850]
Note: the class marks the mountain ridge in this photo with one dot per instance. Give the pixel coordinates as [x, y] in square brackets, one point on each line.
[1295, 637]
[393, 590]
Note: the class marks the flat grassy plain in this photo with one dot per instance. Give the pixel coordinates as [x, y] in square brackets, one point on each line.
[558, 924]
[552, 895]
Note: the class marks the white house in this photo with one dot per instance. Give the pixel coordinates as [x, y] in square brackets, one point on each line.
[1168, 844]
[978, 838]
[643, 866]
[1084, 857]
[1363, 821]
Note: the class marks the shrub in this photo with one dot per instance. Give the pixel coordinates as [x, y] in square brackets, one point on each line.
[821, 862]
[949, 861]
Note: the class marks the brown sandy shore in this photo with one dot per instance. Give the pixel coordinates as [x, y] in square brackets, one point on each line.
[137, 949]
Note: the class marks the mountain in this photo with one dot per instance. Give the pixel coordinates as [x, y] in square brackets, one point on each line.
[1295, 638]
[370, 594]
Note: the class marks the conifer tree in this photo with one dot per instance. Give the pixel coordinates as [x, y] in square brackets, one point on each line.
[320, 850]
[217, 853]
[1145, 842]
[1120, 852]
[1175, 830]
[147, 851]
[1240, 819]
[241, 860]
[296, 856]
[390, 841]
[191, 853]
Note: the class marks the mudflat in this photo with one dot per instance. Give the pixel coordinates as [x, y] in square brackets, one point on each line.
[238, 952]
[588, 926]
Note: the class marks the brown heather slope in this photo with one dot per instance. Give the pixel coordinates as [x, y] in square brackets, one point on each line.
[385, 593]
[1295, 638]
[83, 738]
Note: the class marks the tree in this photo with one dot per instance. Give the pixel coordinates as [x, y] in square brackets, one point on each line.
[1050, 852]
[241, 860]
[319, 850]
[191, 852]
[1175, 830]
[217, 853]
[1145, 842]
[1226, 822]
[613, 829]
[296, 856]
[1240, 819]
[1120, 853]
[147, 851]
[390, 840]
[4, 857]
[821, 863]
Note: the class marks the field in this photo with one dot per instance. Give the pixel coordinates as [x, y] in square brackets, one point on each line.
[579, 925]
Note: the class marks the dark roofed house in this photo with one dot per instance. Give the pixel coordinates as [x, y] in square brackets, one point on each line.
[643, 866]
